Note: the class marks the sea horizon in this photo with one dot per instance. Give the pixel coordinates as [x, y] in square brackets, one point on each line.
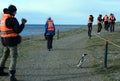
[35, 29]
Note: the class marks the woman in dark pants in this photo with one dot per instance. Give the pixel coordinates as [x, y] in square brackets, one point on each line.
[99, 19]
[49, 32]
[90, 21]
[112, 23]
[49, 41]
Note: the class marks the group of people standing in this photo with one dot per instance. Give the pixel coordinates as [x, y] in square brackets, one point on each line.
[109, 23]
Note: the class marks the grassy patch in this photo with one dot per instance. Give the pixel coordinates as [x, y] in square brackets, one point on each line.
[71, 32]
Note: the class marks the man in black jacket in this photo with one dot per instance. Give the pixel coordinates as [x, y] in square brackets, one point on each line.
[10, 38]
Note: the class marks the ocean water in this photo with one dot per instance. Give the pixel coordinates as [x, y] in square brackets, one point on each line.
[40, 29]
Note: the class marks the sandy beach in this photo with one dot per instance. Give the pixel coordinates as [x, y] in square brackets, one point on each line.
[36, 63]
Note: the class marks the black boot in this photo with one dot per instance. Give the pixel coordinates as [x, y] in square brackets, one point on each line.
[12, 75]
[2, 73]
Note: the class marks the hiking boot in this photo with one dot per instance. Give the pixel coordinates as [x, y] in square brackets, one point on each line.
[2, 73]
[12, 75]
[12, 78]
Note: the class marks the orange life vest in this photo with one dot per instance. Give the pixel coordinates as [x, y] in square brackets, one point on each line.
[50, 25]
[105, 18]
[6, 32]
[89, 21]
[109, 19]
[112, 18]
[99, 21]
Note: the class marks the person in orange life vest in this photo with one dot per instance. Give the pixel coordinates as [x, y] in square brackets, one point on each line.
[10, 30]
[90, 21]
[112, 22]
[50, 32]
[99, 19]
[109, 21]
[105, 19]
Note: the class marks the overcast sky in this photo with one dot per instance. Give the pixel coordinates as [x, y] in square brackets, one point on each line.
[62, 11]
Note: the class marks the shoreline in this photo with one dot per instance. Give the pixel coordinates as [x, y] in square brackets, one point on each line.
[39, 29]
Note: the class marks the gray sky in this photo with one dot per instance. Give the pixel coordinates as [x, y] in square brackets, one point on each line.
[62, 11]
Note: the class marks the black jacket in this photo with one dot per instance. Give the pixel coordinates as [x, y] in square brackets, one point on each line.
[12, 41]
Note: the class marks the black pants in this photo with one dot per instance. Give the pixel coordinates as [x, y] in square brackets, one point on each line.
[49, 41]
[112, 24]
[106, 25]
[89, 29]
[99, 27]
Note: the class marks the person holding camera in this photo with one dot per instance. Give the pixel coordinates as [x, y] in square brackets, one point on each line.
[10, 38]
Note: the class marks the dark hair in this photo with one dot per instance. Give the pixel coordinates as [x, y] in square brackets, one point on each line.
[12, 8]
[49, 18]
[92, 18]
[5, 10]
[111, 14]
[100, 15]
